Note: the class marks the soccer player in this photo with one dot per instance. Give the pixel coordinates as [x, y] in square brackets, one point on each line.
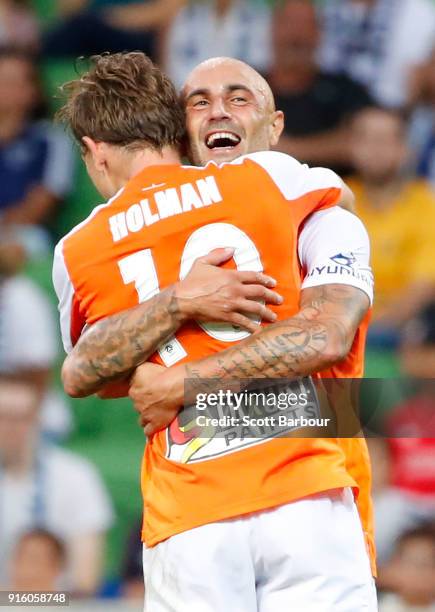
[244, 517]
[90, 364]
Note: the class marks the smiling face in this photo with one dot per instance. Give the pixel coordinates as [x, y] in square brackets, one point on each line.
[229, 112]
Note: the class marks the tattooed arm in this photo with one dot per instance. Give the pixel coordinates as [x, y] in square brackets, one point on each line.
[333, 246]
[319, 336]
[114, 346]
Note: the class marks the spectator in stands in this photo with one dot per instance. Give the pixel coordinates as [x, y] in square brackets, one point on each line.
[46, 487]
[399, 213]
[28, 336]
[18, 244]
[315, 103]
[404, 470]
[12, 255]
[388, 524]
[381, 460]
[410, 576]
[212, 28]
[35, 157]
[18, 25]
[377, 42]
[38, 562]
[418, 344]
[90, 26]
[422, 129]
[411, 431]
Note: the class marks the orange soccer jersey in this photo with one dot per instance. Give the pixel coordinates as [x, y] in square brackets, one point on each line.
[148, 237]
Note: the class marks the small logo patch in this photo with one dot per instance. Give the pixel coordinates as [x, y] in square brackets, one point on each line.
[344, 259]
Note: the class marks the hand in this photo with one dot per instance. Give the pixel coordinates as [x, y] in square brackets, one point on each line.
[211, 293]
[156, 396]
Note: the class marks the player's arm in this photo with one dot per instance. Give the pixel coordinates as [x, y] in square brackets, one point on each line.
[336, 294]
[113, 347]
[319, 336]
[334, 252]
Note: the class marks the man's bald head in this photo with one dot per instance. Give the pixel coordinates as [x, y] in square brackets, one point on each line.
[232, 66]
[230, 111]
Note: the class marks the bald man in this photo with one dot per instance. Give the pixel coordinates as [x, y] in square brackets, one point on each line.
[227, 530]
[229, 92]
[228, 95]
[230, 111]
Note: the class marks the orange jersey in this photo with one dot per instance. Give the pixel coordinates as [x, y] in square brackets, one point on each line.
[355, 449]
[148, 237]
[358, 466]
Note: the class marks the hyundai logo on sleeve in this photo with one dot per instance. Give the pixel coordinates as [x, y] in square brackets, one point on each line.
[344, 259]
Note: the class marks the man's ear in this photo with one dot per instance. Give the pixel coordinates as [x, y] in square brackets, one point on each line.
[276, 127]
[97, 150]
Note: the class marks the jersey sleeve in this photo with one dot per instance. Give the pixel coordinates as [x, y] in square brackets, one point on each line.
[307, 189]
[72, 322]
[334, 248]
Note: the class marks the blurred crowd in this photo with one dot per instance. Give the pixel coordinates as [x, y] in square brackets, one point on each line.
[356, 81]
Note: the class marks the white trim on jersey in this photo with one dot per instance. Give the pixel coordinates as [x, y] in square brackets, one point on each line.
[292, 178]
[334, 248]
[65, 295]
[62, 282]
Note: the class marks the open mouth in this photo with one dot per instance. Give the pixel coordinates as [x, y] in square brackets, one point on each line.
[222, 140]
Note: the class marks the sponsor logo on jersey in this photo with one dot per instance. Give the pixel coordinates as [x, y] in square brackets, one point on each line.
[203, 434]
[344, 265]
[344, 259]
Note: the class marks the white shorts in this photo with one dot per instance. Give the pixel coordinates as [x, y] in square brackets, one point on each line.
[305, 556]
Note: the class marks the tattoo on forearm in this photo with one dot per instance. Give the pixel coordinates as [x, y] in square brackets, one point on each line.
[114, 346]
[299, 346]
